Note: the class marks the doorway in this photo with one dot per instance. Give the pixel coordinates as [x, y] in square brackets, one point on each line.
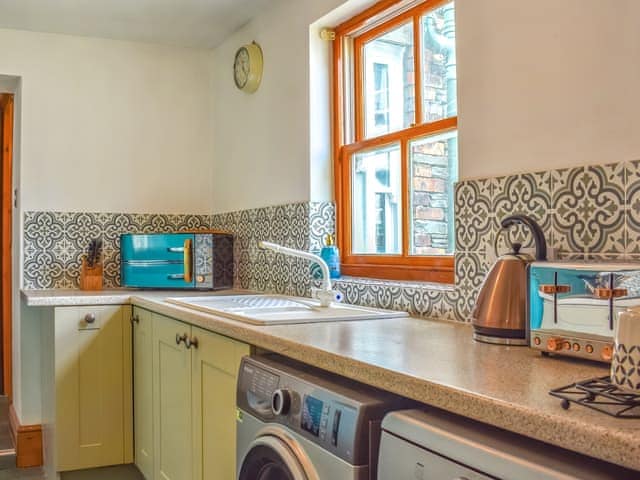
[6, 203]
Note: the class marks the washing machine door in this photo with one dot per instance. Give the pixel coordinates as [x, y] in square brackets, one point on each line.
[273, 457]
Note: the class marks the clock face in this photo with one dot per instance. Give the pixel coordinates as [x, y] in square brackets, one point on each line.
[241, 67]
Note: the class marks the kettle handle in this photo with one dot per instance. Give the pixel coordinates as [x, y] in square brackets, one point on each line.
[538, 235]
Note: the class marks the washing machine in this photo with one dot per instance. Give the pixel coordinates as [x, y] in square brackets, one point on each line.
[295, 422]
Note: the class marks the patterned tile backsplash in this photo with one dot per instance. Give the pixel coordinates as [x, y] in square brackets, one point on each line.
[54, 242]
[302, 226]
[590, 212]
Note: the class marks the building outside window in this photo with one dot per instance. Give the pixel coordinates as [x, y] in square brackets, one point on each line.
[396, 140]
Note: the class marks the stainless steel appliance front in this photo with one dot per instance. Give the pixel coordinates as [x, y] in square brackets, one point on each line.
[573, 307]
[301, 423]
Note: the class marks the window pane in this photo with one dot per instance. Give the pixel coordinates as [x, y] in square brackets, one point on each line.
[439, 98]
[389, 82]
[434, 169]
[377, 201]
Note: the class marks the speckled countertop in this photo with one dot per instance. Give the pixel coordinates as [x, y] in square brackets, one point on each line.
[434, 362]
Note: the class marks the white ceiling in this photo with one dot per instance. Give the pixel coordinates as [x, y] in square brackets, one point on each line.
[189, 23]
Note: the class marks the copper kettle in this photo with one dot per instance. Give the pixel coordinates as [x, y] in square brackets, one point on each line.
[499, 315]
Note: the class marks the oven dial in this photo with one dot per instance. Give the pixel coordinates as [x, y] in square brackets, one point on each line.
[281, 402]
[576, 347]
[537, 340]
[589, 348]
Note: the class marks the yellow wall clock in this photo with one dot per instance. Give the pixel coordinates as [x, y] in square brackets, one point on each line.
[247, 67]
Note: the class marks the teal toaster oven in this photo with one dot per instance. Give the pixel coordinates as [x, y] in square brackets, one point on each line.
[186, 260]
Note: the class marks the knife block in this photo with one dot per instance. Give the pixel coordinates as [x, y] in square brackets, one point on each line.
[91, 277]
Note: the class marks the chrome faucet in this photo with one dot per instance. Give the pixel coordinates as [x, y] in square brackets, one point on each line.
[325, 295]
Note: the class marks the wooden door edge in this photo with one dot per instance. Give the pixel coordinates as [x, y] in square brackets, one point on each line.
[6, 204]
[27, 440]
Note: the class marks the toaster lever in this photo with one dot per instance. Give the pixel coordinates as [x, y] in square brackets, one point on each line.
[554, 289]
[608, 293]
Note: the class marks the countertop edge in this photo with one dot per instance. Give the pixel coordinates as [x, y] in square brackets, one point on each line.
[608, 444]
[621, 448]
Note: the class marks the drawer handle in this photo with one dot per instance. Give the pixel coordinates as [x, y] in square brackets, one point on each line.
[186, 258]
[191, 342]
[135, 319]
[181, 338]
[90, 318]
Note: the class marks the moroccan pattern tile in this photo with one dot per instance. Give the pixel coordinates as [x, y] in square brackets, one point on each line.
[54, 242]
[589, 209]
[474, 215]
[632, 200]
[289, 225]
[422, 299]
[527, 194]
[586, 213]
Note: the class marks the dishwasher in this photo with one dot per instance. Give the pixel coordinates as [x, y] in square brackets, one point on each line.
[435, 445]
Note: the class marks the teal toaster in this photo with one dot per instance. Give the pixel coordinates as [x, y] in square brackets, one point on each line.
[573, 306]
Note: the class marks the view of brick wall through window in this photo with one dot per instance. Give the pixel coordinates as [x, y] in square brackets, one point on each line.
[433, 163]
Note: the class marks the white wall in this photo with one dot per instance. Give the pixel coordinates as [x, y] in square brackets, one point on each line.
[110, 125]
[541, 86]
[547, 84]
[266, 153]
[101, 125]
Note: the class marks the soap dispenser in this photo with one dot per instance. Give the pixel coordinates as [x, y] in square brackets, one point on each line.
[331, 255]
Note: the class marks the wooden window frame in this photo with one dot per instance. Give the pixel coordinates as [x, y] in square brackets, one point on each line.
[373, 22]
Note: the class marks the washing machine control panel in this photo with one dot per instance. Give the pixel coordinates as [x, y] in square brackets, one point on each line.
[334, 413]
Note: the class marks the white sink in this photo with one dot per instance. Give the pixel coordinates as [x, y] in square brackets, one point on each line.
[279, 309]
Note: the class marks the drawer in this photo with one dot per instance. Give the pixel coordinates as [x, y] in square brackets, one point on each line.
[157, 247]
[86, 318]
[164, 275]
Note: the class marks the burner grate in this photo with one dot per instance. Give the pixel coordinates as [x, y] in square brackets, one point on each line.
[600, 394]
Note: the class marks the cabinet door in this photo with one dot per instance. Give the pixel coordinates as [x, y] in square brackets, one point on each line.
[173, 452]
[91, 370]
[143, 390]
[216, 361]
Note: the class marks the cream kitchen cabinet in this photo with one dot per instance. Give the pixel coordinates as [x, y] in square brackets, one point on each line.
[93, 408]
[173, 449]
[215, 364]
[193, 375]
[142, 400]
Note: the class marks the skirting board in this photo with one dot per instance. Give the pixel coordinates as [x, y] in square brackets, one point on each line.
[28, 441]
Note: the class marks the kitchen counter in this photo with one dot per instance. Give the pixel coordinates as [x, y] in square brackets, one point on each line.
[434, 362]
[116, 296]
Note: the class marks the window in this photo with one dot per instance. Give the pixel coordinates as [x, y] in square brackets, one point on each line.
[395, 124]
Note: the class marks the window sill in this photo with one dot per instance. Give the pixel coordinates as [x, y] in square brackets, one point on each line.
[437, 274]
[347, 279]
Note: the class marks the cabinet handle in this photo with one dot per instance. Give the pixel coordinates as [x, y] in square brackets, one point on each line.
[191, 342]
[187, 261]
[90, 318]
[181, 338]
[135, 319]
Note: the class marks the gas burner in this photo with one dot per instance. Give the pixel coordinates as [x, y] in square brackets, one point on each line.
[600, 394]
